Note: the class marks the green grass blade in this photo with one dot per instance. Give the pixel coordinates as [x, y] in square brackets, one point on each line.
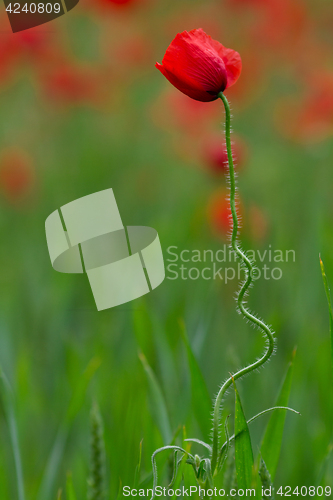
[201, 401]
[70, 493]
[54, 460]
[272, 440]
[7, 397]
[81, 390]
[138, 468]
[120, 491]
[159, 409]
[243, 448]
[321, 479]
[328, 295]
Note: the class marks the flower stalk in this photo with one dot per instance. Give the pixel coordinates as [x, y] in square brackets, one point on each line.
[249, 268]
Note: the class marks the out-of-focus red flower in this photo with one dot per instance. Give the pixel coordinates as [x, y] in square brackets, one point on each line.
[16, 174]
[316, 116]
[219, 214]
[33, 43]
[199, 66]
[215, 156]
[36, 47]
[70, 85]
[309, 119]
[116, 3]
[258, 224]
[282, 24]
[274, 23]
[246, 3]
[133, 51]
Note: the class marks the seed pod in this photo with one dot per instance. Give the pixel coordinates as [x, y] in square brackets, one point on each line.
[266, 480]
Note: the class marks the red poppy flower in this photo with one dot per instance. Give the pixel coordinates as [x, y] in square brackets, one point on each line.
[199, 66]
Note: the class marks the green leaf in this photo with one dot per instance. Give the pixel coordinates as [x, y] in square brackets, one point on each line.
[243, 448]
[70, 493]
[8, 403]
[54, 460]
[201, 401]
[159, 410]
[328, 295]
[272, 440]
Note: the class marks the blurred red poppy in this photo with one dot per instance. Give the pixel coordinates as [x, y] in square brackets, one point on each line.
[199, 66]
[130, 52]
[309, 119]
[219, 214]
[215, 156]
[274, 23]
[70, 84]
[16, 174]
[32, 43]
[37, 47]
[116, 3]
[258, 224]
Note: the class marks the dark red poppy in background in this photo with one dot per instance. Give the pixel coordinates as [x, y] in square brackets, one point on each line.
[69, 83]
[199, 66]
[215, 156]
[219, 214]
[16, 174]
[118, 3]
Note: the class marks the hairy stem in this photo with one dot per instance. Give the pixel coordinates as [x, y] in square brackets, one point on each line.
[249, 271]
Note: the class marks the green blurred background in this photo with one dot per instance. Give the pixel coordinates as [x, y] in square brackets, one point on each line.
[83, 109]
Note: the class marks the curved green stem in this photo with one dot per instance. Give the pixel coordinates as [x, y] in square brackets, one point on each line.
[249, 270]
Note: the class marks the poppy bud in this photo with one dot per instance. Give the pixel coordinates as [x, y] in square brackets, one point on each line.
[199, 66]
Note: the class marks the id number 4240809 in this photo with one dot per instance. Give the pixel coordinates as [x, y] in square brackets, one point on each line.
[305, 491]
[34, 8]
